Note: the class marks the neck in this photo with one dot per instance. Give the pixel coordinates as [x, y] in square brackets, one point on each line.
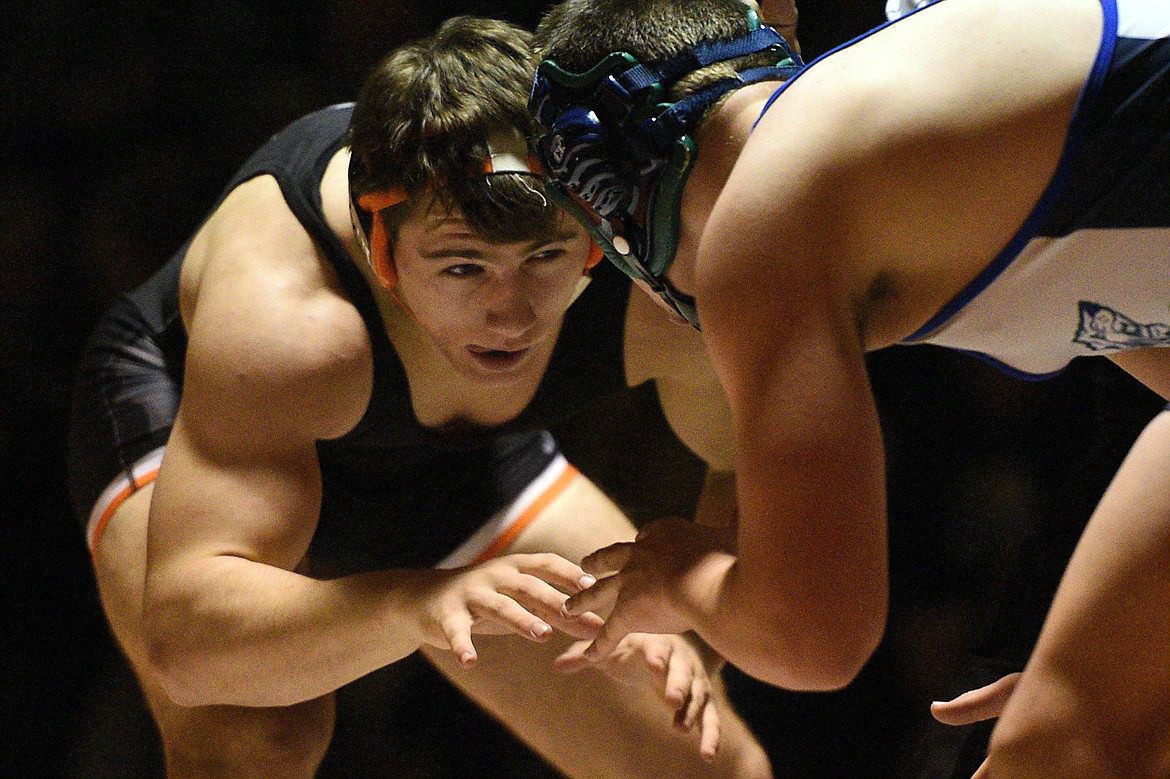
[719, 140]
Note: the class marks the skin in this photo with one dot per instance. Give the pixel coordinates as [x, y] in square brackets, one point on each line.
[874, 189]
[216, 546]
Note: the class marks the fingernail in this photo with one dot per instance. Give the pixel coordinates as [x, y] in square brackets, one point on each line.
[540, 631]
[586, 581]
[466, 659]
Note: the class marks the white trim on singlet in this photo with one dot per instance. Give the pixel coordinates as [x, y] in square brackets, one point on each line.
[509, 520]
[498, 530]
[126, 484]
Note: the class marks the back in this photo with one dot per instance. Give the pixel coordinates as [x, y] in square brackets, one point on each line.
[886, 160]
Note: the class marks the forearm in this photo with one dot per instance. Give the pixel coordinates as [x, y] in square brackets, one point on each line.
[746, 622]
[235, 631]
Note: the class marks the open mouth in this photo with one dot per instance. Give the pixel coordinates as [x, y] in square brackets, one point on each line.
[498, 360]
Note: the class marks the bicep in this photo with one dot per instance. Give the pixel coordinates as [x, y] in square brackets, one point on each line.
[240, 476]
[809, 456]
[214, 499]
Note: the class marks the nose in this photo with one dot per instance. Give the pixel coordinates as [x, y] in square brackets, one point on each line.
[508, 310]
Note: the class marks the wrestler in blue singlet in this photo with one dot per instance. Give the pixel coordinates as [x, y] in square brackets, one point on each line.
[1086, 273]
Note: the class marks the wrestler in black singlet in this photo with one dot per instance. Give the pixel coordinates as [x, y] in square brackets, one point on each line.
[395, 494]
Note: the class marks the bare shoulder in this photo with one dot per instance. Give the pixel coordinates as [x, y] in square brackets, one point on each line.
[656, 347]
[891, 172]
[274, 344]
[689, 392]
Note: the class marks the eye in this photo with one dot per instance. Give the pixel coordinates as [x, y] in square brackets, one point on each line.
[462, 269]
[548, 254]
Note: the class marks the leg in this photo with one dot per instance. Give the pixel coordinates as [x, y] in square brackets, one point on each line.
[1094, 699]
[586, 724]
[212, 741]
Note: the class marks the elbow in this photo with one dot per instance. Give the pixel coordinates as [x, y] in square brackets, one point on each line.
[825, 656]
[832, 665]
[172, 662]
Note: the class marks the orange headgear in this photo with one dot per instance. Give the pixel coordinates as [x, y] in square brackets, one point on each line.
[507, 153]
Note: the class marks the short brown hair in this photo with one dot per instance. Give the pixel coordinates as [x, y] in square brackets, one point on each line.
[423, 117]
[577, 34]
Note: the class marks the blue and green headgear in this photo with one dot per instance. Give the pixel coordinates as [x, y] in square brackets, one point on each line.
[618, 154]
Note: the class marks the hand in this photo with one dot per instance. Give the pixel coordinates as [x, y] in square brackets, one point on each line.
[648, 582]
[669, 666]
[521, 593]
[975, 706]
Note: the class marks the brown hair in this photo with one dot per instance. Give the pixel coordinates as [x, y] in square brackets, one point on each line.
[423, 117]
[578, 34]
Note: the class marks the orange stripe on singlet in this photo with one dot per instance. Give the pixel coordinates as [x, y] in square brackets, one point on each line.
[136, 483]
[529, 514]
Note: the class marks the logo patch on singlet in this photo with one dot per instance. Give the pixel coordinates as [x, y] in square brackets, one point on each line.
[1102, 328]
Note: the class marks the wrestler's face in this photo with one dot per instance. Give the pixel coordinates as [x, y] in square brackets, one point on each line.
[494, 310]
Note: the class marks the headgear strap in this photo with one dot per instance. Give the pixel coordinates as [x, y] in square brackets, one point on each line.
[507, 153]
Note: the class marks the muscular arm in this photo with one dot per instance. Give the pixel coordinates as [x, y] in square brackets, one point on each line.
[804, 603]
[276, 360]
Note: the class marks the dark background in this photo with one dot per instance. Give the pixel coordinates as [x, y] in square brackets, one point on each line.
[122, 120]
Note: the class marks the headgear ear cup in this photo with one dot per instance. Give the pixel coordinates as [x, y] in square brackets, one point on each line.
[595, 256]
[381, 258]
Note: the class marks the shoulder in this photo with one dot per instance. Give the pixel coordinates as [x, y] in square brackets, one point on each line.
[675, 357]
[655, 347]
[272, 339]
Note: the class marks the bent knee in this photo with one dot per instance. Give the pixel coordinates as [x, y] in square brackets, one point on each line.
[234, 741]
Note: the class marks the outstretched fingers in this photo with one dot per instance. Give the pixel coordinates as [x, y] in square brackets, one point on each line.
[977, 705]
[599, 598]
[710, 732]
[529, 595]
[608, 637]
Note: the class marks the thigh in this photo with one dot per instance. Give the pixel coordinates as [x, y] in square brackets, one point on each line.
[586, 724]
[208, 741]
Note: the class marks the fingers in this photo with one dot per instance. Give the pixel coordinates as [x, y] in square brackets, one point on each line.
[606, 641]
[608, 559]
[977, 705]
[502, 609]
[677, 689]
[710, 732]
[457, 629]
[528, 601]
[697, 696]
[599, 598]
[573, 658]
[554, 569]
